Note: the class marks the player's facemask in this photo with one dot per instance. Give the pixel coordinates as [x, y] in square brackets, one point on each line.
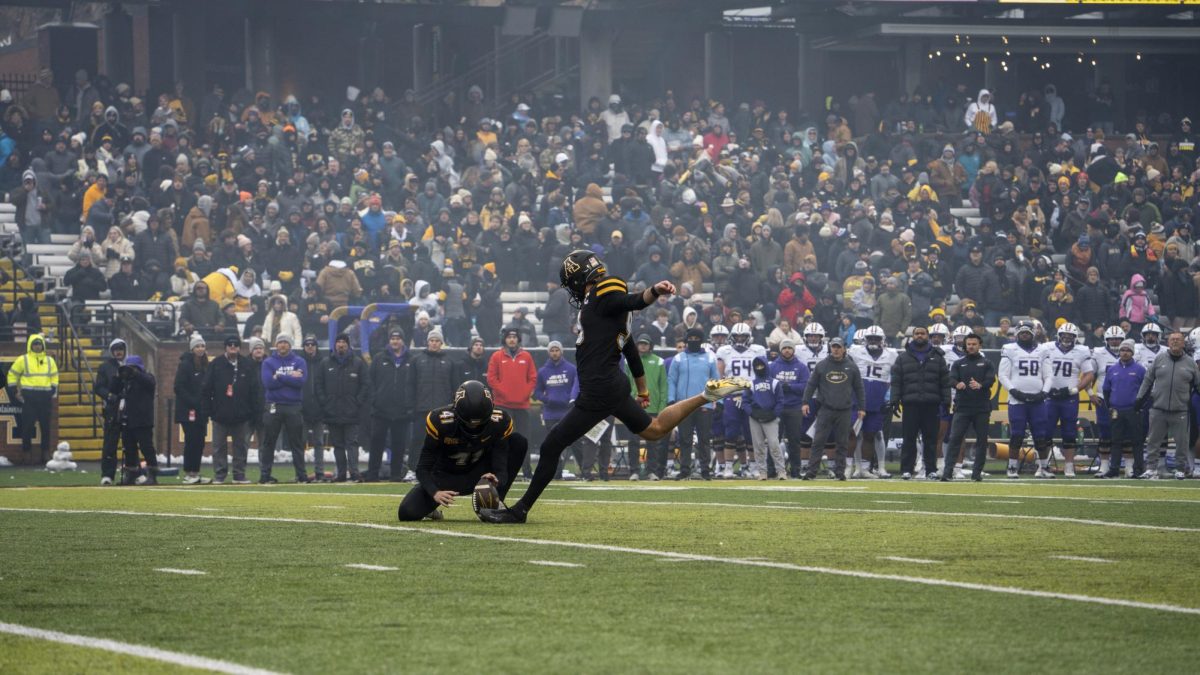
[874, 346]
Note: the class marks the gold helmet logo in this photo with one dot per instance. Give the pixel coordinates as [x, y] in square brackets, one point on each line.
[570, 266]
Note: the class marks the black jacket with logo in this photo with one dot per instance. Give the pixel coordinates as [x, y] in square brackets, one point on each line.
[233, 391]
[342, 388]
[973, 367]
[391, 385]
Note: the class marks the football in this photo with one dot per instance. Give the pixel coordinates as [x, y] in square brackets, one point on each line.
[485, 496]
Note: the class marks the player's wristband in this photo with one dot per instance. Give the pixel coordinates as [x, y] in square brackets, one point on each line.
[643, 394]
[654, 291]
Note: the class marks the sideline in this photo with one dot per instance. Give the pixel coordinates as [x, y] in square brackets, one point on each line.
[141, 651]
[857, 574]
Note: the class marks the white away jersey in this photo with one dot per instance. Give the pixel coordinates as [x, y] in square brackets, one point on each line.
[810, 358]
[1021, 370]
[1102, 358]
[1145, 356]
[951, 354]
[740, 364]
[872, 368]
[1062, 369]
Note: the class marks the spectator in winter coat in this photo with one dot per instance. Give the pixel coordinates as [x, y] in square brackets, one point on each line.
[392, 389]
[127, 284]
[200, 312]
[1136, 307]
[342, 389]
[155, 244]
[526, 331]
[233, 398]
[590, 210]
[189, 408]
[764, 403]
[691, 269]
[196, 224]
[284, 374]
[556, 315]
[893, 309]
[512, 376]
[557, 385]
[434, 374]
[280, 321]
[114, 247]
[338, 284]
[86, 245]
[86, 282]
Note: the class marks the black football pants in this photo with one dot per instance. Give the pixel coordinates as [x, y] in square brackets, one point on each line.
[418, 503]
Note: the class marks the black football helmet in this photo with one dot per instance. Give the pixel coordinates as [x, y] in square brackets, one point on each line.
[472, 407]
[580, 268]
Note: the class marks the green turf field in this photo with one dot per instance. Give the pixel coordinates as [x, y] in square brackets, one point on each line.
[746, 577]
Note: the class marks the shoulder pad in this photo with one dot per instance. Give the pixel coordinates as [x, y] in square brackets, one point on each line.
[438, 421]
[610, 285]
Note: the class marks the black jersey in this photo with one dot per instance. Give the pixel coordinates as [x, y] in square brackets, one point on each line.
[604, 327]
[448, 451]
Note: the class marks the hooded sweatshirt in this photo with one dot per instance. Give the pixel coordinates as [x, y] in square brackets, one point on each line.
[792, 375]
[659, 144]
[764, 398]
[280, 385]
[35, 371]
[688, 374]
[981, 116]
[557, 386]
[1135, 304]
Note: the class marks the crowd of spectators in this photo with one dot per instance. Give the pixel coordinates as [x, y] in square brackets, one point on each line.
[843, 217]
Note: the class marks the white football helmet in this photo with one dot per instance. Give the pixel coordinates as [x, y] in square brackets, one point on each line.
[719, 334]
[961, 333]
[740, 335]
[939, 331]
[870, 333]
[1116, 333]
[1068, 333]
[1193, 339]
[1149, 330]
[814, 334]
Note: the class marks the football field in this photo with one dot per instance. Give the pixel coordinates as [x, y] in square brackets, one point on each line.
[733, 576]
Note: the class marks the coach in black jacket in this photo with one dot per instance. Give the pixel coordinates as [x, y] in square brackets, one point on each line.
[920, 386]
[342, 388]
[233, 399]
[971, 377]
[391, 406]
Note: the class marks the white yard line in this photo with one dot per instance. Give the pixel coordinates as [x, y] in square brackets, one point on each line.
[1081, 558]
[1000, 501]
[372, 568]
[788, 506]
[878, 501]
[328, 506]
[851, 490]
[554, 563]
[173, 570]
[140, 651]
[916, 561]
[857, 574]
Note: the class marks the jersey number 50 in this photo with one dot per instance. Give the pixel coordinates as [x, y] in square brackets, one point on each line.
[1027, 368]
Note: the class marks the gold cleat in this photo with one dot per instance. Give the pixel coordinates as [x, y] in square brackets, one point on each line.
[715, 390]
